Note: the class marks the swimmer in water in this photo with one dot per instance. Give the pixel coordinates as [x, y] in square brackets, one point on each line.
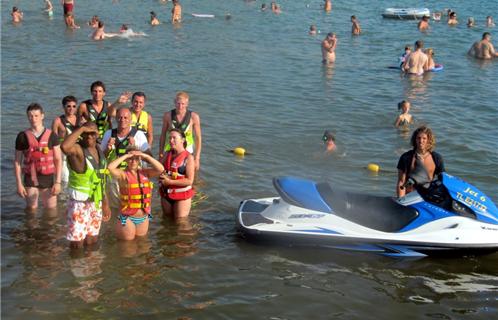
[436, 16]
[471, 23]
[405, 118]
[49, 8]
[100, 34]
[355, 28]
[405, 55]
[483, 49]
[327, 6]
[423, 24]
[489, 22]
[264, 7]
[416, 61]
[70, 21]
[94, 22]
[16, 14]
[277, 9]
[176, 12]
[431, 64]
[452, 19]
[329, 141]
[153, 19]
[328, 48]
[312, 30]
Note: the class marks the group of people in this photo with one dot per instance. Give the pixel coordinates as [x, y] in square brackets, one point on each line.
[101, 167]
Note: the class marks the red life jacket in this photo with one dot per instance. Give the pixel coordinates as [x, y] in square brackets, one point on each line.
[38, 158]
[137, 195]
[172, 167]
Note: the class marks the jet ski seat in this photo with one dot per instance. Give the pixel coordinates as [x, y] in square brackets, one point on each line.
[374, 212]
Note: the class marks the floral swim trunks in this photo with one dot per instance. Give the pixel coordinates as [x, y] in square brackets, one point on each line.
[83, 219]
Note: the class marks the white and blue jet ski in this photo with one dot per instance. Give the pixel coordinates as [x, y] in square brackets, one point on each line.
[455, 218]
[406, 13]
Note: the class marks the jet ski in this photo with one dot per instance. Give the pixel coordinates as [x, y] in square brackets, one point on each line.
[406, 13]
[453, 217]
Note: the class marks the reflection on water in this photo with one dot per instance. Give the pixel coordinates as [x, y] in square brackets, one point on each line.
[415, 86]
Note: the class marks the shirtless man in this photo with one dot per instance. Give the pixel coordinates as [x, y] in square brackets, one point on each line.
[69, 18]
[100, 34]
[188, 122]
[328, 48]
[423, 24]
[355, 29]
[415, 62]
[176, 12]
[154, 21]
[483, 49]
[16, 14]
[68, 6]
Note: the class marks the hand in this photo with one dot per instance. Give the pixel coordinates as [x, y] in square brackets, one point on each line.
[21, 191]
[110, 143]
[124, 97]
[161, 156]
[164, 178]
[56, 189]
[106, 212]
[132, 141]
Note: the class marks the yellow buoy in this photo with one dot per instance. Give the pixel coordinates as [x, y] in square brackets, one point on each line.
[239, 151]
[373, 167]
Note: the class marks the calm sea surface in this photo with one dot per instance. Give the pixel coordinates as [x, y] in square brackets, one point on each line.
[257, 81]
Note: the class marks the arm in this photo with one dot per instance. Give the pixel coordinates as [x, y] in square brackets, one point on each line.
[115, 171]
[197, 140]
[58, 128]
[82, 115]
[150, 132]
[56, 188]
[21, 191]
[164, 130]
[122, 99]
[69, 145]
[157, 167]
[400, 186]
[397, 122]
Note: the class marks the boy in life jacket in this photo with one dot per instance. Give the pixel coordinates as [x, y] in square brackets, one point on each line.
[135, 192]
[186, 121]
[38, 157]
[86, 206]
[63, 126]
[140, 119]
[176, 181]
[99, 110]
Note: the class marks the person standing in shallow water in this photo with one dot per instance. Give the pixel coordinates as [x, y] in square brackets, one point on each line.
[38, 157]
[355, 28]
[176, 12]
[327, 6]
[483, 49]
[328, 48]
[416, 61]
[86, 207]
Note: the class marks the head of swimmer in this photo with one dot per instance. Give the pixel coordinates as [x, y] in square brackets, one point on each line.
[331, 35]
[329, 140]
[486, 36]
[97, 89]
[123, 28]
[138, 101]
[404, 106]
[419, 44]
[90, 136]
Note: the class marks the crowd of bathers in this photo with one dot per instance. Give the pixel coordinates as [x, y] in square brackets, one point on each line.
[100, 167]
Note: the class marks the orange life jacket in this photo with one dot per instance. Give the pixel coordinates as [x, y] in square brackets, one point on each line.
[38, 158]
[173, 166]
[137, 195]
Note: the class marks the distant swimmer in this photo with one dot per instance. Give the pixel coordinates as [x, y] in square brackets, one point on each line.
[489, 21]
[70, 23]
[329, 141]
[470, 22]
[436, 16]
[423, 24]
[327, 6]
[313, 30]
[405, 117]
[100, 34]
[431, 64]
[125, 32]
[264, 7]
[176, 12]
[153, 19]
[49, 8]
[16, 14]
[328, 48]
[405, 55]
[94, 22]
[483, 49]
[416, 61]
[277, 9]
[452, 19]
[355, 28]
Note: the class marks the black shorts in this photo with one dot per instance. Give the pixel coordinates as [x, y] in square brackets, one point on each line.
[44, 181]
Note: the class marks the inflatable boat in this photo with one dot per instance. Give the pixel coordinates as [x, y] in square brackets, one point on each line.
[455, 218]
[407, 13]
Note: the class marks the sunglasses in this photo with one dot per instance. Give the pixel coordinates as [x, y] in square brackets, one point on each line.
[70, 106]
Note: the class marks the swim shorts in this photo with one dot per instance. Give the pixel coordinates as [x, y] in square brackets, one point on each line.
[68, 7]
[83, 219]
